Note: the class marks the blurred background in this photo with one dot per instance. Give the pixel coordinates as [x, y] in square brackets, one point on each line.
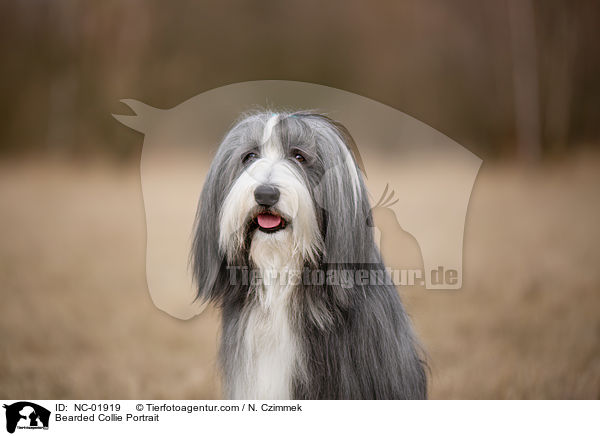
[515, 82]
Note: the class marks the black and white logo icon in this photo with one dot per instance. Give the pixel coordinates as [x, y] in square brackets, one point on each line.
[26, 415]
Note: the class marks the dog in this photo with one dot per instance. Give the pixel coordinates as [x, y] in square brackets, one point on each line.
[283, 214]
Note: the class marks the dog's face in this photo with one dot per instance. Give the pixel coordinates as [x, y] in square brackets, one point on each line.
[270, 205]
[282, 186]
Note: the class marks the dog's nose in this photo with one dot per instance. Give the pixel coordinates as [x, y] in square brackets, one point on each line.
[266, 195]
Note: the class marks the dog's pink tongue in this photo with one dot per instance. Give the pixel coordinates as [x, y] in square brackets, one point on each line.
[268, 221]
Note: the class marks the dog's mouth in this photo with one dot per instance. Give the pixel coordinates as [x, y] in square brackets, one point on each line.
[269, 222]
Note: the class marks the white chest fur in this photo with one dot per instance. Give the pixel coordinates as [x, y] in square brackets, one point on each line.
[270, 354]
[268, 346]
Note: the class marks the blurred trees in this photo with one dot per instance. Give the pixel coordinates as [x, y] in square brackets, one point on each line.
[498, 76]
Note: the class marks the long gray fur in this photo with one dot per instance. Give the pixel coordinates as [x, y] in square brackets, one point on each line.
[358, 343]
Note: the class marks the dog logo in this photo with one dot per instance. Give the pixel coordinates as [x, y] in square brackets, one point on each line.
[26, 415]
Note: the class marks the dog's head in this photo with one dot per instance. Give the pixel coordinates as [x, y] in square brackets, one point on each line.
[281, 186]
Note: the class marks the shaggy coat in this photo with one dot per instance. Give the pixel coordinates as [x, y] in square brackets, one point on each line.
[316, 336]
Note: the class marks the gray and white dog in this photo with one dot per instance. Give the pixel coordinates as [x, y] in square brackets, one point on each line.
[284, 205]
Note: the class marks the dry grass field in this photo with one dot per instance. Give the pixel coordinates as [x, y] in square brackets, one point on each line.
[76, 319]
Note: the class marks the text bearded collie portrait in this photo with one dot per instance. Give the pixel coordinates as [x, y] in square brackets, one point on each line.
[285, 198]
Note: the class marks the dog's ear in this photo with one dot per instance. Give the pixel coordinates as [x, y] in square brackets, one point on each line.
[348, 239]
[206, 259]
[343, 196]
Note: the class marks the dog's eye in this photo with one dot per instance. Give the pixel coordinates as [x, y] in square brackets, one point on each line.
[299, 157]
[249, 156]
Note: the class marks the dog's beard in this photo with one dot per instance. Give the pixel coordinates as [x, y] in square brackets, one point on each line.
[299, 237]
